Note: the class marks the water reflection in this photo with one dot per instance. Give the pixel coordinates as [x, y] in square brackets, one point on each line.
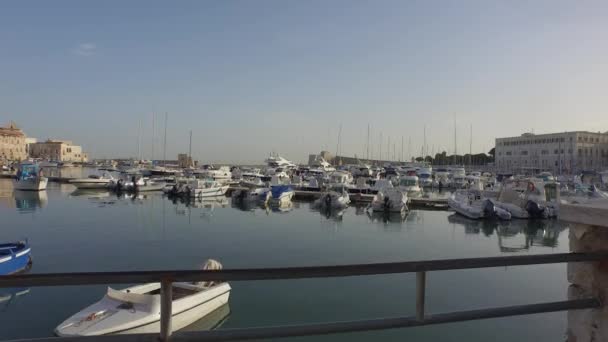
[387, 218]
[515, 235]
[212, 321]
[30, 201]
[9, 296]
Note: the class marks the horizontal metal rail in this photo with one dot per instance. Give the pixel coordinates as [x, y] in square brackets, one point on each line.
[340, 327]
[128, 277]
[420, 267]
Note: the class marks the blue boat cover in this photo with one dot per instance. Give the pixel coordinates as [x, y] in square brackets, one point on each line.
[277, 190]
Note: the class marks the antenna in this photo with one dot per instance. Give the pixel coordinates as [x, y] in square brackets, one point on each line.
[165, 141]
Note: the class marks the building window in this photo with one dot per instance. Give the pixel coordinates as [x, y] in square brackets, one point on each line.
[524, 153]
[556, 152]
[508, 153]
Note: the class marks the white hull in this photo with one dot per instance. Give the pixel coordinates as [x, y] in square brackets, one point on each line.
[143, 314]
[37, 184]
[332, 200]
[87, 184]
[390, 200]
[284, 198]
[208, 192]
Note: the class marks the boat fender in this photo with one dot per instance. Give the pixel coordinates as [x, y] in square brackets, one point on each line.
[534, 209]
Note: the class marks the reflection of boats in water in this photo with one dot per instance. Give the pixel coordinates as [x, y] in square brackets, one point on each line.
[332, 214]
[91, 193]
[212, 321]
[534, 232]
[9, 295]
[387, 217]
[30, 201]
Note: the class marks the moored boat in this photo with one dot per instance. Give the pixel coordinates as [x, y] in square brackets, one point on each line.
[390, 200]
[30, 177]
[336, 199]
[93, 182]
[14, 257]
[136, 309]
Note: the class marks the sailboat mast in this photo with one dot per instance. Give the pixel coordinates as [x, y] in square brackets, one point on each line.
[471, 146]
[165, 141]
[190, 151]
[380, 146]
[409, 148]
[367, 147]
[401, 159]
[388, 149]
[153, 133]
[139, 141]
[455, 145]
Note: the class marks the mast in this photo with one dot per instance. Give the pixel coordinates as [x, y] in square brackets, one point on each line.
[139, 142]
[190, 163]
[165, 141]
[367, 145]
[455, 144]
[380, 146]
[153, 133]
[424, 150]
[471, 147]
[409, 148]
[388, 149]
[401, 159]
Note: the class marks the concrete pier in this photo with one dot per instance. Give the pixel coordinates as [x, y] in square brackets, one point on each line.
[588, 233]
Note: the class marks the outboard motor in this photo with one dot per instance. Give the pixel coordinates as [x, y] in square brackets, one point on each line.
[328, 201]
[387, 204]
[119, 185]
[488, 208]
[535, 210]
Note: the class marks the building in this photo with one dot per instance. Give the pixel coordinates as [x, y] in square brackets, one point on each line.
[28, 143]
[58, 150]
[567, 152]
[184, 161]
[12, 143]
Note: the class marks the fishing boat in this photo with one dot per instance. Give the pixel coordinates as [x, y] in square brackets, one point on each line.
[30, 177]
[93, 182]
[14, 257]
[390, 200]
[136, 310]
[471, 204]
[281, 194]
[335, 199]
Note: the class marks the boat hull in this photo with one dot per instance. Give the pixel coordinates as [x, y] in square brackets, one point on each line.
[90, 185]
[210, 192]
[38, 184]
[15, 262]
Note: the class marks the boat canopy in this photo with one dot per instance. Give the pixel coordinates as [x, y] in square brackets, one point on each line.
[28, 170]
[277, 190]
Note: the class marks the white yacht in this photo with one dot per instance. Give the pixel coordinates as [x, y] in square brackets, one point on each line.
[276, 161]
[410, 185]
[389, 200]
[93, 182]
[321, 164]
[458, 180]
[221, 174]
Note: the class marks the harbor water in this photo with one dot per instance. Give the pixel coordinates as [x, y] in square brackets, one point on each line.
[98, 231]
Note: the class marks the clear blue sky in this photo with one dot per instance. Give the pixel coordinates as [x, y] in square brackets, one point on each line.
[250, 77]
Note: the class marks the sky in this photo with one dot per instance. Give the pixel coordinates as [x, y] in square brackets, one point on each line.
[258, 76]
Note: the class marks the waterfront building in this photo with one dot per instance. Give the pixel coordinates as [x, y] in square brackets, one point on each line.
[58, 150]
[566, 152]
[12, 143]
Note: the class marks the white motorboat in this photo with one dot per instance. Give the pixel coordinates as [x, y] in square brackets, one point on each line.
[252, 180]
[221, 174]
[205, 188]
[93, 182]
[336, 199]
[261, 195]
[425, 177]
[340, 178]
[410, 185]
[136, 310]
[390, 200]
[276, 161]
[30, 178]
[458, 180]
[532, 202]
[46, 163]
[470, 203]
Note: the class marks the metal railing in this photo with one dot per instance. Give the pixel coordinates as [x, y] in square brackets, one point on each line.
[166, 278]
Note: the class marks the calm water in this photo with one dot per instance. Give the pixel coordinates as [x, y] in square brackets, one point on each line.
[72, 232]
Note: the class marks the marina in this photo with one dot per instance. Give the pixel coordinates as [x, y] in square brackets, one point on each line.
[111, 228]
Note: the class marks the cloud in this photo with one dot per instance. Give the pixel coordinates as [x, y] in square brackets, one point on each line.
[85, 49]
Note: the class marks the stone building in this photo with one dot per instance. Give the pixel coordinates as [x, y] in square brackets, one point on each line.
[58, 150]
[12, 144]
[567, 152]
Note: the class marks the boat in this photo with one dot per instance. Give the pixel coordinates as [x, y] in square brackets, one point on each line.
[458, 180]
[281, 194]
[66, 164]
[471, 204]
[15, 257]
[335, 199]
[93, 182]
[135, 184]
[222, 175]
[340, 178]
[199, 188]
[276, 161]
[527, 198]
[252, 179]
[136, 310]
[261, 195]
[47, 163]
[425, 176]
[410, 185]
[30, 177]
[389, 200]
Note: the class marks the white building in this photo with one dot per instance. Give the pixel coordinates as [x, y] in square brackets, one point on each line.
[567, 152]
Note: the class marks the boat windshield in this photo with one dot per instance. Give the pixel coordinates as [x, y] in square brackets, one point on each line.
[424, 176]
[408, 182]
[28, 171]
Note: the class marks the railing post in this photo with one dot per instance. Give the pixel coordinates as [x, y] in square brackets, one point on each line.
[420, 291]
[166, 301]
